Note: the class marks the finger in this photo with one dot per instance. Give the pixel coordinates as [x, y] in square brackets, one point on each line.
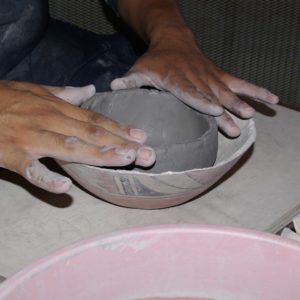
[243, 87]
[73, 95]
[145, 157]
[98, 135]
[27, 87]
[76, 113]
[186, 91]
[74, 149]
[130, 81]
[122, 130]
[84, 93]
[108, 152]
[227, 125]
[39, 175]
[232, 102]
[88, 132]
[178, 85]
[36, 173]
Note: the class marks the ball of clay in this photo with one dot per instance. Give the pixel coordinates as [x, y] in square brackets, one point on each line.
[182, 137]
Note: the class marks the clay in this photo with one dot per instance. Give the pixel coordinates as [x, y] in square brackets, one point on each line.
[183, 138]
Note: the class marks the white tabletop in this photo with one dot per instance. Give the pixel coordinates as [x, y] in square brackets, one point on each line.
[261, 192]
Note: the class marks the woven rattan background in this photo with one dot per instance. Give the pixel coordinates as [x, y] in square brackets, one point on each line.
[258, 40]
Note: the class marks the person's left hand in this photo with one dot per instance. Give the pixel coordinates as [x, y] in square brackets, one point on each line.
[176, 64]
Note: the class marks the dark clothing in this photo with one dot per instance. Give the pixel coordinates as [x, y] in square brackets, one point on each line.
[36, 48]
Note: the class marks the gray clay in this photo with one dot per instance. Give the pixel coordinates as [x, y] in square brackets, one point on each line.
[183, 138]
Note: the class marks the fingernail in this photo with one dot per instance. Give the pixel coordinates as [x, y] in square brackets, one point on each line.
[138, 134]
[146, 152]
[118, 84]
[247, 111]
[145, 156]
[233, 131]
[216, 110]
[128, 153]
[273, 99]
[91, 90]
[62, 185]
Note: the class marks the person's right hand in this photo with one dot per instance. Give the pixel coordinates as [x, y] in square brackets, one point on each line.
[35, 122]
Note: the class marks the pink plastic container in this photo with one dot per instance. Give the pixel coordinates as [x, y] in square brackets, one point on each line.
[167, 261]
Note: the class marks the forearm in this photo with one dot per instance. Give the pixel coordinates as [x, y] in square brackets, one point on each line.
[154, 20]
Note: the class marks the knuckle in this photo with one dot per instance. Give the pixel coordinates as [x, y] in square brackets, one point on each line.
[95, 117]
[71, 141]
[227, 118]
[8, 140]
[190, 89]
[123, 127]
[106, 148]
[96, 131]
[37, 112]
[230, 97]
[173, 75]
[28, 92]
[110, 123]
[45, 112]
[130, 145]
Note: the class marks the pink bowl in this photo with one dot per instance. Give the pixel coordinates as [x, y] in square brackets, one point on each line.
[167, 261]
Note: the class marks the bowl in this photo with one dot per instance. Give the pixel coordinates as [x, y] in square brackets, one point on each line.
[148, 190]
[166, 262]
[182, 137]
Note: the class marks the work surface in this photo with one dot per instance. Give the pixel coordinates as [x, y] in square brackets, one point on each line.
[261, 192]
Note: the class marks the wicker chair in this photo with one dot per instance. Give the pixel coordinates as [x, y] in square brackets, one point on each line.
[258, 40]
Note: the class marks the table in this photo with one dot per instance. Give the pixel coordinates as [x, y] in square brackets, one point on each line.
[261, 192]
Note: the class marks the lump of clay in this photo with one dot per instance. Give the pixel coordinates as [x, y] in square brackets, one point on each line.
[183, 138]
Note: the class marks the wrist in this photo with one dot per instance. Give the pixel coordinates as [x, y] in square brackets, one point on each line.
[171, 35]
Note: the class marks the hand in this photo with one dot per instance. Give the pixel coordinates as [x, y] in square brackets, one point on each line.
[36, 123]
[176, 64]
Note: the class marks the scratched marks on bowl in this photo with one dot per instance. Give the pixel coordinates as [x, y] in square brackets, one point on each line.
[131, 186]
[152, 186]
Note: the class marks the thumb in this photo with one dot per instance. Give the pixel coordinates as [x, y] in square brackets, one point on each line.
[73, 95]
[129, 81]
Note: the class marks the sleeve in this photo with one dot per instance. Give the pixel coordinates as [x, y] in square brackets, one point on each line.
[112, 4]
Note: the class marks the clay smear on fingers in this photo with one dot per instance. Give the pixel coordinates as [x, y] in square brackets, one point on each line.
[73, 95]
[40, 176]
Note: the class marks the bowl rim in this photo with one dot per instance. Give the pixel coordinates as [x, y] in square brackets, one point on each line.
[246, 145]
[109, 239]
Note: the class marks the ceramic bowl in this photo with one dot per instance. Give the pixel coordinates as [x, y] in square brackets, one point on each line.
[150, 190]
